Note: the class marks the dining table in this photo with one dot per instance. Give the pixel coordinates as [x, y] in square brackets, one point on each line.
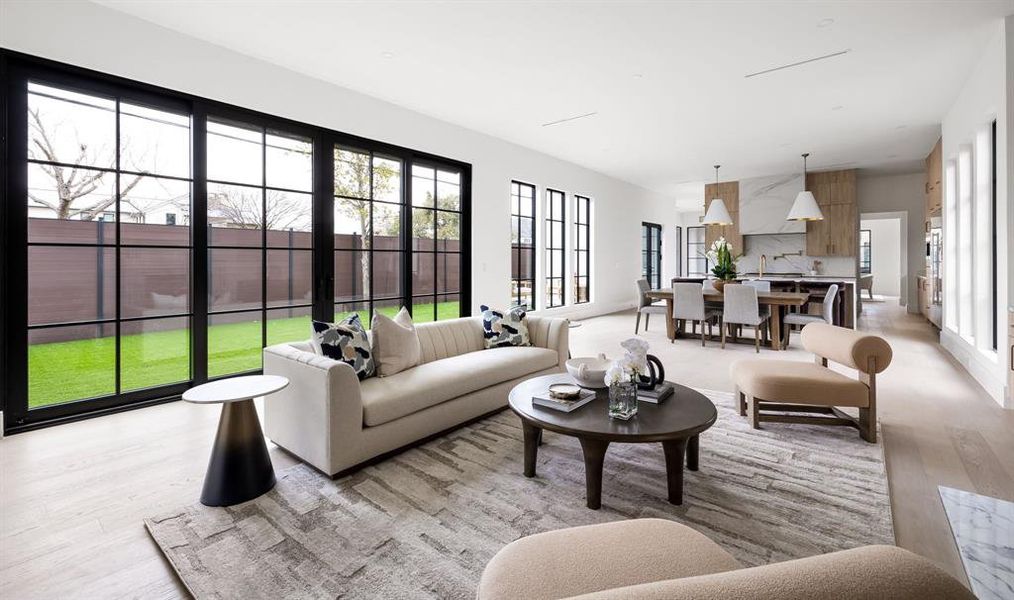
[777, 301]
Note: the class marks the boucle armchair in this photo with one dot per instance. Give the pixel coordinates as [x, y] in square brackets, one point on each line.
[788, 386]
[657, 559]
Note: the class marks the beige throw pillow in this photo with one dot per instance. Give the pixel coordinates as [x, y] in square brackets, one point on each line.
[395, 343]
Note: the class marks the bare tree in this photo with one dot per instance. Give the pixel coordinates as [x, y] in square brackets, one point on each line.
[241, 208]
[352, 181]
[71, 178]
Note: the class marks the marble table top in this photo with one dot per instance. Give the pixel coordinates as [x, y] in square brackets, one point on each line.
[983, 529]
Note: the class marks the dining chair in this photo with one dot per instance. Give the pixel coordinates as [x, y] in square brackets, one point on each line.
[688, 305]
[742, 308]
[644, 305]
[826, 314]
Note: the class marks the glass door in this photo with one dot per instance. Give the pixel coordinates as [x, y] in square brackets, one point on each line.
[651, 254]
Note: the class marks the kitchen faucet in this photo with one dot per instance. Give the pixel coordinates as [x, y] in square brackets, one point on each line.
[763, 263]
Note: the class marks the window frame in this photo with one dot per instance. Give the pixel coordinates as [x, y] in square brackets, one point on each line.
[516, 249]
[18, 68]
[582, 244]
[698, 256]
[651, 270]
[556, 202]
[865, 266]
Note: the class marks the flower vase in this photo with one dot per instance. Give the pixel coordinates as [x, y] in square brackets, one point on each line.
[719, 285]
[622, 400]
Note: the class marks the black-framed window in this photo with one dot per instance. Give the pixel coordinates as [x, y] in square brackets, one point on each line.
[556, 248]
[99, 166]
[865, 251]
[697, 262]
[168, 238]
[435, 243]
[651, 254]
[582, 249]
[523, 245]
[260, 242]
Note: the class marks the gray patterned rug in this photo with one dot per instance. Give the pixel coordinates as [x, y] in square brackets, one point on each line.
[424, 523]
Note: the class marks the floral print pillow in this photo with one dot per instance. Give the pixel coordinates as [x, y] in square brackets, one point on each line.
[501, 329]
[347, 342]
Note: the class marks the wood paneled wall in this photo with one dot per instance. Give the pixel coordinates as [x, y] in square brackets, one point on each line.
[728, 191]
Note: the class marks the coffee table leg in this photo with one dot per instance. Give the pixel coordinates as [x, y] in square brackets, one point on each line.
[594, 456]
[693, 452]
[675, 450]
[240, 467]
[533, 435]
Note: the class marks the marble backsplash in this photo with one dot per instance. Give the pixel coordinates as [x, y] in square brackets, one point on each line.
[786, 253]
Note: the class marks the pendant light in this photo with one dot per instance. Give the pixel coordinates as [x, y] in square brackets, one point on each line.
[717, 214]
[805, 208]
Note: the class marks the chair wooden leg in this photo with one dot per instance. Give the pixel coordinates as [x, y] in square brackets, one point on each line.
[756, 339]
[740, 401]
[754, 412]
[647, 318]
[722, 327]
[867, 425]
[637, 323]
[702, 333]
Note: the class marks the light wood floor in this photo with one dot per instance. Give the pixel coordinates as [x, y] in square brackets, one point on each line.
[72, 497]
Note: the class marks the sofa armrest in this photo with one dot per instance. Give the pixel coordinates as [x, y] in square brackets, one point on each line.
[322, 402]
[552, 333]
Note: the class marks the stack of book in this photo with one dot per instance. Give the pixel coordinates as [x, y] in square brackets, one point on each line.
[546, 400]
[656, 395]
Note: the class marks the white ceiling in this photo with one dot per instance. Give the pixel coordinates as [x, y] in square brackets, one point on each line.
[666, 79]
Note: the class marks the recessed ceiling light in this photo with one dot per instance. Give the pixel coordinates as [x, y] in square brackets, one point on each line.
[638, 75]
[825, 22]
[839, 107]
[387, 54]
[901, 126]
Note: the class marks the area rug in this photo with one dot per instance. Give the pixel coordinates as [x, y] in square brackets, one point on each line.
[424, 523]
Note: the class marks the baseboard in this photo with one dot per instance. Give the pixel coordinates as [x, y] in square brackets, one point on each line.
[983, 370]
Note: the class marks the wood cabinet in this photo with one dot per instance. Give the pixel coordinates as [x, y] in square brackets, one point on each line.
[728, 191]
[925, 299]
[934, 181]
[836, 234]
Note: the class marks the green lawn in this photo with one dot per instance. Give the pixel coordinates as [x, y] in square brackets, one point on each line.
[66, 371]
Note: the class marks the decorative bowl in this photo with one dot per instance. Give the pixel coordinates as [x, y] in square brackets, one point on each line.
[565, 391]
[589, 372]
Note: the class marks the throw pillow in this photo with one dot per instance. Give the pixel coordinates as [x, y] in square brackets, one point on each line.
[501, 329]
[346, 341]
[395, 343]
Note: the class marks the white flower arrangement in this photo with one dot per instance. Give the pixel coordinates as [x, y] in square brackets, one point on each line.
[633, 364]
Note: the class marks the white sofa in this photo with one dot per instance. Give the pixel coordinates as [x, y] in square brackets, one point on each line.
[331, 420]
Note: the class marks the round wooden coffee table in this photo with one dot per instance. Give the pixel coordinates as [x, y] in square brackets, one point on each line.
[675, 424]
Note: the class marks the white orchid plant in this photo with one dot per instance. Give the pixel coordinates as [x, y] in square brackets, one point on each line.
[722, 260]
[633, 364]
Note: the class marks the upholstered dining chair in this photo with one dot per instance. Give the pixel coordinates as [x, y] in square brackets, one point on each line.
[688, 305]
[742, 308]
[644, 305]
[826, 314]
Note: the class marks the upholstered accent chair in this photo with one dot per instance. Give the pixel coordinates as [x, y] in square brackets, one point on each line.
[664, 560]
[645, 306]
[787, 387]
[688, 305]
[742, 308]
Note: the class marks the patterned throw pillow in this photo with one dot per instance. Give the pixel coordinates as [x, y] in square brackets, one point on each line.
[346, 341]
[501, 329]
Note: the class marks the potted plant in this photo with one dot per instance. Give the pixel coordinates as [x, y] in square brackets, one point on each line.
[622, 377]
[721, 257]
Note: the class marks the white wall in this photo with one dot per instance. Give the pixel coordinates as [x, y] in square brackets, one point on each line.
[983, 98]
[885, 254]
[106, 40]
[907, 194]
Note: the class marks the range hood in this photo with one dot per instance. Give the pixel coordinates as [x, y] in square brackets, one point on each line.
[765, 201]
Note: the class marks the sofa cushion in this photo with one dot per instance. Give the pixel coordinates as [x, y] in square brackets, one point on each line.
[395, 343]
[580, 560]
[505, 328]
[429, 384]
[345, 341]
[795, 382]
